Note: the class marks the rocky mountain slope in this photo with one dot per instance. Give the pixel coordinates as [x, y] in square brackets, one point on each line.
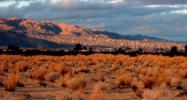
[23, 32]
[12, 38]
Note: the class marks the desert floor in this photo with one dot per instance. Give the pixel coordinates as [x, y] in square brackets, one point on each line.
[93, 77]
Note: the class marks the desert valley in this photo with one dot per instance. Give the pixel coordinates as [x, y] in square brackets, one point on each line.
[118, 67]
[93, 50]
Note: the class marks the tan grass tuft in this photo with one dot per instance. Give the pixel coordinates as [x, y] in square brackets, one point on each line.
[3, 65]
[148, 82]
[162, 78]
[120, 81]
[98, 91]
[124, 80]
[51, 76]
[113, 67]
[76, 83]
[22, 65]
[13, 79]
[83, 68]
[158, 94]
[61, 69]
[38, 73]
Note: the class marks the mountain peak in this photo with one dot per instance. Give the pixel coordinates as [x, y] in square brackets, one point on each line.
[56, 32]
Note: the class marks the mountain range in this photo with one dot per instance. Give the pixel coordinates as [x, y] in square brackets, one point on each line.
[30, 33]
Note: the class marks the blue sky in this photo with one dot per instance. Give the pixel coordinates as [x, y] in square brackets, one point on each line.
[160, 18]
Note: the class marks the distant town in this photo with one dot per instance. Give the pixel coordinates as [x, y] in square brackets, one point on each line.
[103, 43]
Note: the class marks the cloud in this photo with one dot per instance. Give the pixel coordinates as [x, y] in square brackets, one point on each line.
[162, 18]
[160, 2]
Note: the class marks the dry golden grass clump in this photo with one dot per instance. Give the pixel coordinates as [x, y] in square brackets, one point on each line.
[148, 82]
[162, 78]
[102, 86]
[113, 67]
[3, 65]
[98, 91]
[38, 73]
[59, 68]
[51, 76]
[76, 83]
[13, 79]
[83, 68]
[159, 93]
[124, 80]
[22, 65]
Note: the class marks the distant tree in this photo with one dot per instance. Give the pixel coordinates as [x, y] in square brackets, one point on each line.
[91, 49]
[120, 50]
[84, 48]
[173, 49]
[140, 50]
[12, 48]
[185, 47]
[78, 47]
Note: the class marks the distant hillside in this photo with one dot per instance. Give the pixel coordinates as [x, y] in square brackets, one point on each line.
[23, 32]
[20, 40]
[127, 37]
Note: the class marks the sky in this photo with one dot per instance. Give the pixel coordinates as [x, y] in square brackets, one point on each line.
[160, 18]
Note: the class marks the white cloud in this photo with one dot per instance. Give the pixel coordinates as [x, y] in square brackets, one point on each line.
[184, 11]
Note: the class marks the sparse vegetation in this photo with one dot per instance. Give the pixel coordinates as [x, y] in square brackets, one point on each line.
[96, 76]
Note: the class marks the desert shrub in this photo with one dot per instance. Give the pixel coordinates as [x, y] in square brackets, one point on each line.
[98, 91]
[142, 70]
[61, 69]
[52, 67]
[162, 78]
[124, 80]
[120, 81]
[175, 81]
[183, 73]
[136, 90]
[127, 79]
[13, 79]
[148, 82]
[69, 95]
[23, 66]
[102, 86]
[83, 68]
[113, 67]
[38, 73]
[51, 76]
[158, 94]
[3, 65]
[76, 83]
[65, 78]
